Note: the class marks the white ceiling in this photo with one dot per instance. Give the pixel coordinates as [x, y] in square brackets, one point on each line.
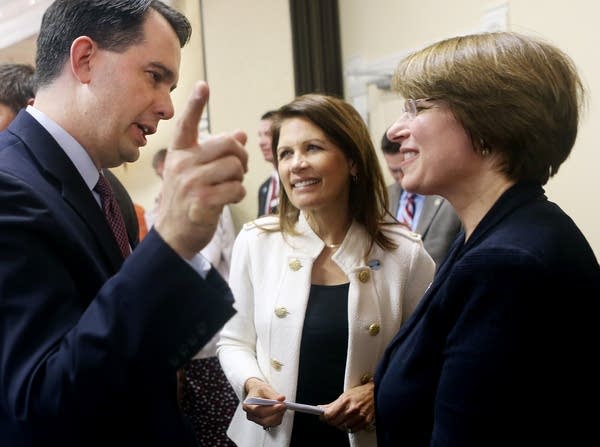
[19, 23]
[20, 19]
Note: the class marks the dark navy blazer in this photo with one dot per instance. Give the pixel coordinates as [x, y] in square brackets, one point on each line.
[89, 345]
[502, 350]
[262, 196]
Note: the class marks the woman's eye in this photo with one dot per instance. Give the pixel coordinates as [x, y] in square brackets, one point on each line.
[284, 153]
[313, 147]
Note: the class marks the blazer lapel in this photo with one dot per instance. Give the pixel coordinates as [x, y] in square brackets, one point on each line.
[431, 205]
[394, 192]
[511, 199]
[61, 172]
[439, 278]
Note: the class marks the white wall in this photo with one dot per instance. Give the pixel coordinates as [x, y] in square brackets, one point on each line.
[249, 70]
[247, 63]
[139, 177]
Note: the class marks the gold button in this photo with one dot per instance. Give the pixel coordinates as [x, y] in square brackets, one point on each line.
[281, 312]
[364, 275]
[365, 378]
[374, 329]
[295, 265]
[276, 365]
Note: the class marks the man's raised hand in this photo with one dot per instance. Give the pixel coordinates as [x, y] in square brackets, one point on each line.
[199, 179]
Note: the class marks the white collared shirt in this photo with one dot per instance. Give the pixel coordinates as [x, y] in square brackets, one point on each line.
[88, 170]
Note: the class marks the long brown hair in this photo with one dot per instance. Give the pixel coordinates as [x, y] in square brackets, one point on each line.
[346, 129]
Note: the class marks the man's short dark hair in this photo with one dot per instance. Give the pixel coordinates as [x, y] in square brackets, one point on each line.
[16, 85]
[114, 25]
[389, 147]
[268, 115]
[159, 157]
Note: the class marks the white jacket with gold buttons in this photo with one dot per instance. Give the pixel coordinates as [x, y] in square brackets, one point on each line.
[271, 277]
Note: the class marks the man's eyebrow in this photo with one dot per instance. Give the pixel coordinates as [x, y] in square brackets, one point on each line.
[168, 75]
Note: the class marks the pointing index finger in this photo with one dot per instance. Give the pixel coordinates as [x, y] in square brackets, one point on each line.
[186, 132]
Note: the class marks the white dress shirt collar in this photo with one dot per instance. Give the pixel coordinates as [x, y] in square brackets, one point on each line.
[75, 151]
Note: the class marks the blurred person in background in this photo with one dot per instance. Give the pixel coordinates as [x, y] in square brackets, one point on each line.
[16, 90]
[268, 193]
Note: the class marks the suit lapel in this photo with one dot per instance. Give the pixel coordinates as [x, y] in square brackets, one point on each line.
[61, 173]
[431, 205]
[394, 192]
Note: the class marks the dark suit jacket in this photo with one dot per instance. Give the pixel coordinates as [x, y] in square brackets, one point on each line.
[502, 350]
[89, 345]
[438, 224]
[262, 196]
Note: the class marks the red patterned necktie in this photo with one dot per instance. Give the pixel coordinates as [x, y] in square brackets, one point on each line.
[113, 215]
[408, 212]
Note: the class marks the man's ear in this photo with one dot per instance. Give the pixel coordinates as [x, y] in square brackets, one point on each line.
[83, 50]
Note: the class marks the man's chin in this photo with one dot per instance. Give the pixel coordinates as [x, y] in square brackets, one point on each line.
[130, 156]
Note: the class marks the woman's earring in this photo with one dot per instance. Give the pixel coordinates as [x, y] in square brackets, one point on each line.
[485, 149]
[354, 179]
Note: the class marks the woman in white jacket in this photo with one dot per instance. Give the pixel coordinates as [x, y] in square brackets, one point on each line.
[320, 289]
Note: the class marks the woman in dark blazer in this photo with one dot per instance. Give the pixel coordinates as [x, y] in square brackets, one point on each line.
[501, 350]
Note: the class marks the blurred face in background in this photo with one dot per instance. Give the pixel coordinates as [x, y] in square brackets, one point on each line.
[264, 139]
[393, 162]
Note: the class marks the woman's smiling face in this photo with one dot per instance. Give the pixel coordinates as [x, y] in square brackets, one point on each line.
[438, 152]
[314, 172]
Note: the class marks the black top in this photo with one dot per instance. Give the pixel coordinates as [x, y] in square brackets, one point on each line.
[322, 363]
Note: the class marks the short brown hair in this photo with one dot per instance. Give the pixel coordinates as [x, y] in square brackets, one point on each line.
[16, 85]
[517, 96]
[387, 146]
[114, 25]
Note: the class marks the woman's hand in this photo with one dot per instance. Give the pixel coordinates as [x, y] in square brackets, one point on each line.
[266, 415]
[353, 411]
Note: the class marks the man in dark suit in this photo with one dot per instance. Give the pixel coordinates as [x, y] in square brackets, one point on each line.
[434, 218]
[268, 193]
[90, 342]
[17, 91]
